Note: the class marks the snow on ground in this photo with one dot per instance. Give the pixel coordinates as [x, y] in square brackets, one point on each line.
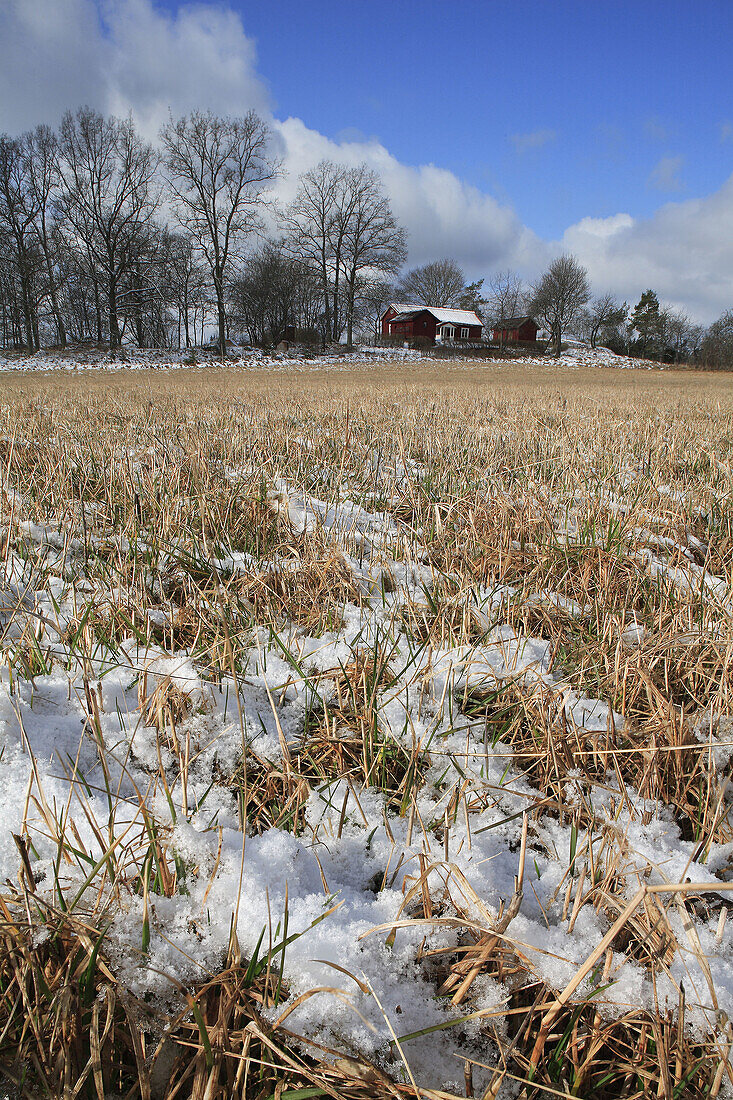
[79, 746]
[255, 359]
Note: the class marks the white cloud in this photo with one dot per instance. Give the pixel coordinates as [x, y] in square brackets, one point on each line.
[684, 252]
[443, 215]
[52, 56]
[199, 57]
[129, 55]
[665, 176]
[534, 140]
[120, 56]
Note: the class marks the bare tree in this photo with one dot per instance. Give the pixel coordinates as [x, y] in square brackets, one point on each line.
[439, 283]
[40, 147]
[108, 198]
[374, 245]
[716, 349]
[266, 294]
[681, 337]
[18, 209]
[376, 296]
[12, 314]
[315, 227]
[507, 299]
[188, 281]
[340, 224]
[604, 315]
[560, 295]
[219, 170]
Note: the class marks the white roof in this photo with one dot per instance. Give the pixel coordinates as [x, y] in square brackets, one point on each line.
[405, 307]
[455, 316]
[442, 316]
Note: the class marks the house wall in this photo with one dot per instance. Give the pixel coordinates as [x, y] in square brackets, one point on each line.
[386, 318]
[422, 325]
[527, 331]
[474, 331]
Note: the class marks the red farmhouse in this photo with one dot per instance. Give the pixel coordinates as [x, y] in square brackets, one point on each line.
[516, 329]
[437, 324]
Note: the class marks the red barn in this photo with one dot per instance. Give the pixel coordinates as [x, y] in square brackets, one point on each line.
[433, 322]
[392, 311]
[516, 330]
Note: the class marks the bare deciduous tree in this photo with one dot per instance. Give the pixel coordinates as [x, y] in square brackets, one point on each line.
[341, 225]
[108, 198]
[18, 209]
[314, 223]
[507, 299]
[439, 283]
[559, 296]
[40, 147]
[187, 285]
[716, 348]
[604, 315]
[219, 170]
[267, 294]
[374, 245]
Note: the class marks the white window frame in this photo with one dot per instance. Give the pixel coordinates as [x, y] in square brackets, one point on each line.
[464, 333]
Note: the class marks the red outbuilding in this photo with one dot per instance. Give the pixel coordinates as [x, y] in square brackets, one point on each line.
[516, 330]
[432, 322]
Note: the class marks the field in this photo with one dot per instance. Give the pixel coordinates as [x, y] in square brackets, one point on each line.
[365, 732]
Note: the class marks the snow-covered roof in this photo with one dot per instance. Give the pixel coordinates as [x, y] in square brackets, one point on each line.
[404, 307]
[455, 316]
[442, 316]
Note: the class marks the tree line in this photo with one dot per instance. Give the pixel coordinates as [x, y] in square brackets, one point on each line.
[105, 237]
[561, 302]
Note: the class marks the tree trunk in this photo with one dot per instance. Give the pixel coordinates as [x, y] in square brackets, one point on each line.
[222, 320]
[58, 319]
[114, 327]
[350, 319]
[27, 315]
[327, 305]
[97, 310]
[139, 332]
[185, 317]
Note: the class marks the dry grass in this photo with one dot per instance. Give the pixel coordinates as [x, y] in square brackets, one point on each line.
[155, 491]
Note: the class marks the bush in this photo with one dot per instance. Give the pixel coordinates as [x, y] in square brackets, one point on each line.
[419, 343]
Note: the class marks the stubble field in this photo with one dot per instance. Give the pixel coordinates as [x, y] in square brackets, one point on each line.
[366, 732]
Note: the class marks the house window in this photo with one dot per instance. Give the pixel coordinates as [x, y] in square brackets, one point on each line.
[464, 334]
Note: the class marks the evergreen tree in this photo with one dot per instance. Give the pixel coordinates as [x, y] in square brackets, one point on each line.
[472, 297]
[647, 321]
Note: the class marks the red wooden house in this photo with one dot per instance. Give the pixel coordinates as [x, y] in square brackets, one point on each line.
[393, 309]
[516, 330]
[433, 322]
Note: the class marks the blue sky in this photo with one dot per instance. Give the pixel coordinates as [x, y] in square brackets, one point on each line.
[505, 133]
[561, 109]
